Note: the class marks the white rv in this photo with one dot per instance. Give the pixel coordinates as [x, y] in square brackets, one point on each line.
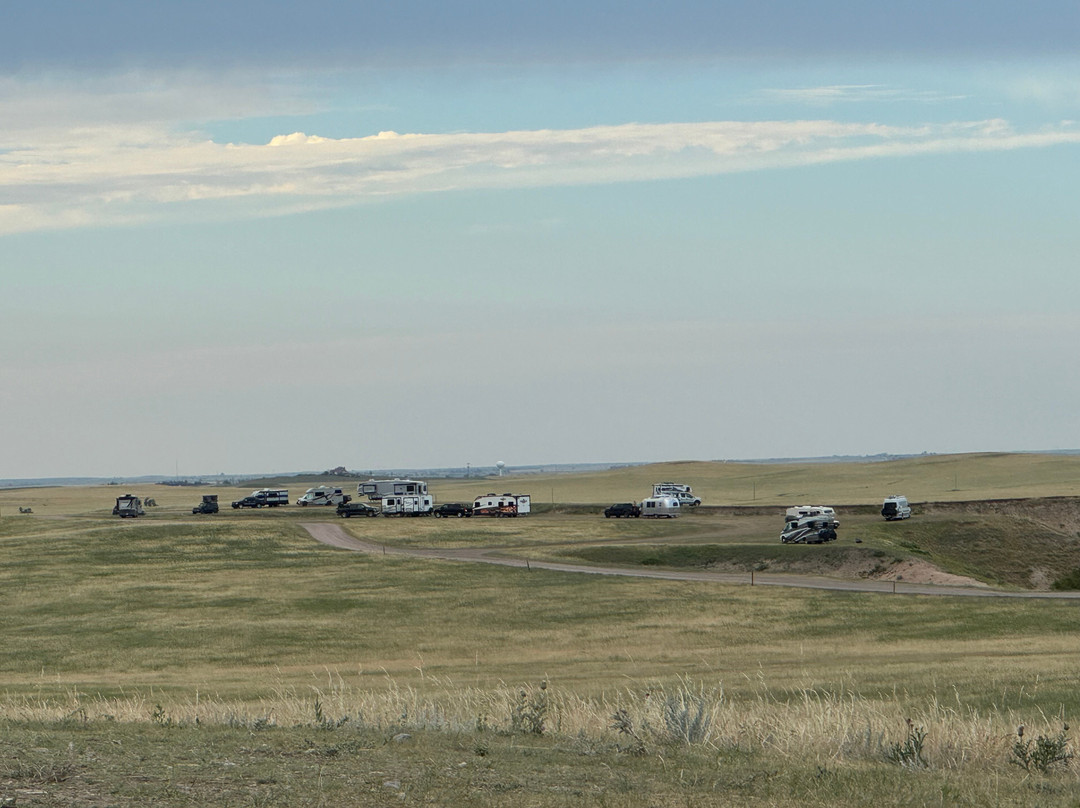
[377, 489]
[822, 511]
[400, 505]
[684, 493]
[502, 505]
[896, 507]
[322, 495]
[665, 507]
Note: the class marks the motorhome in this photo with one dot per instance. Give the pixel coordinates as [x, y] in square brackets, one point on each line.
[322, 495]
[896, 507]
[815, 529]
[127, 506]
[664, 507]
[398, 505]
[502, 505]
[684, 493]
[377, 489]
[823, 511]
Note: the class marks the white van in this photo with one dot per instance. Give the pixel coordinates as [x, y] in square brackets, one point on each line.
[322, 495]
[660, 507]
[895, 507]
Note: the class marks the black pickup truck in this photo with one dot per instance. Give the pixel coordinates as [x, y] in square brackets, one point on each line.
[449, 509]
[621, 509]
[349, 509]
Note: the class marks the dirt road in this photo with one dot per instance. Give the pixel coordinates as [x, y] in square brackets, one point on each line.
[335, 536]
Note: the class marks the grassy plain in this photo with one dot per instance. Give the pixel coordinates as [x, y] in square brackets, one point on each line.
[230, 660]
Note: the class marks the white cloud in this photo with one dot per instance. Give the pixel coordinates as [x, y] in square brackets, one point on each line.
[851, 93]
[116, 156]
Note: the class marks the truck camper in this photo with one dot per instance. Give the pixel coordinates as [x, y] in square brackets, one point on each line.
[502, 505]
[264, 498]
[683, 493]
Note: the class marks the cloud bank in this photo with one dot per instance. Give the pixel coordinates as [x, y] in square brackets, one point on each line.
[101, 173]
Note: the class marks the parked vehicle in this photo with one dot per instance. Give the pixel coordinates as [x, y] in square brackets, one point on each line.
[664, 507]
[448, 509]
[683, 493]
[375, 490]
[209, 504]
[502, 505]
[264, 498]
[801, 511]
[398, 505]
[896, 507]
[128, 505]
[349, 509]
[808, 530]
[622, 509]
[322, 495]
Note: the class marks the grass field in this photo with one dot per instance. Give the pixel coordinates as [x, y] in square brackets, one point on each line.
[230, 660]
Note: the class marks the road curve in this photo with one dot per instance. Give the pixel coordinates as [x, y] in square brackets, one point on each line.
[333, 535]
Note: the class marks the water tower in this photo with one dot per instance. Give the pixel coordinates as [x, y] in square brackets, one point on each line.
[500, 466]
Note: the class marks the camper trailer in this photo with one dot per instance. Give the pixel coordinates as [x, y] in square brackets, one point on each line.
[665, 507]
[128, 505]
[502, 505]
[683, 493]
[823, 512]
[896, 507]
[399, 505]
[322, 495]
[375, 490]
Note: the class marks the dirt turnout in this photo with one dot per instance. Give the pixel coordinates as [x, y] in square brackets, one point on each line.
[944, 584]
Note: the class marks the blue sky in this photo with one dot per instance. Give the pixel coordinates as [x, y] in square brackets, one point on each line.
[266, 237]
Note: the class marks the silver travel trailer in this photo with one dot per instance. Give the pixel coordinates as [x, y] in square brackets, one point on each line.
[399, 505]
[665, 507]
[375, 490]
[502, 505]
[896, 507]
[322, 495]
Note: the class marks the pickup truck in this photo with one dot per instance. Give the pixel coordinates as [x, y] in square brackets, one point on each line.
[449, 509]
[621, 509]
[350, 509]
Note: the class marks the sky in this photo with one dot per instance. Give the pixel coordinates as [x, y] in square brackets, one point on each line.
[241, 238]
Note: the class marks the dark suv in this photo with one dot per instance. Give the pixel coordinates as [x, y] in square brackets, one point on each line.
[621, 509]
[453, 509]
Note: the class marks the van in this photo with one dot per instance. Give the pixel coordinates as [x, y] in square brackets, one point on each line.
[895, 507]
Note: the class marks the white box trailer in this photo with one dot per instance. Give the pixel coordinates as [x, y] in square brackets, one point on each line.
[322, 495]
[375, 490]
[399, 505]
[665, 507]
[502, 505]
